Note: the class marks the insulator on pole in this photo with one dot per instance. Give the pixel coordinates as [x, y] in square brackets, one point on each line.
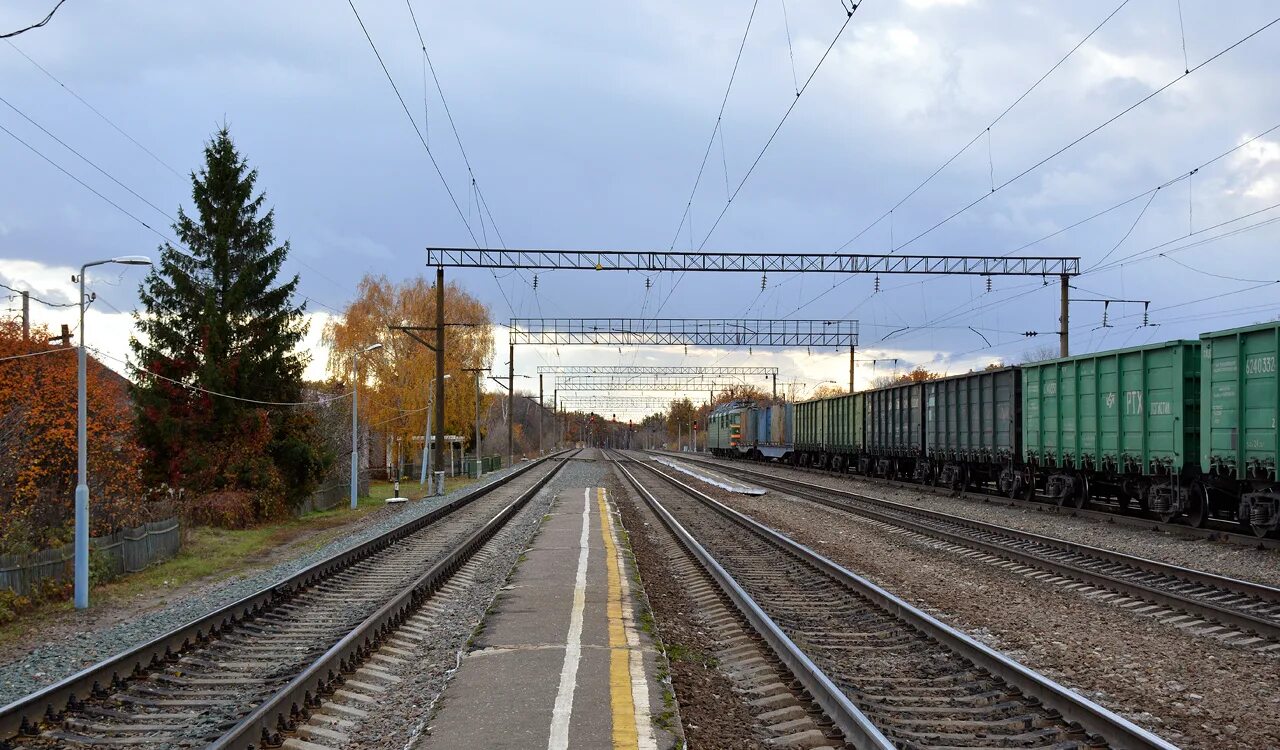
[877, 283]
[988, 285]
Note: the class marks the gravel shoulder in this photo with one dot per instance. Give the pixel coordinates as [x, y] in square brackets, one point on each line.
[1191, 690]
[1222, 558]
[85, 638]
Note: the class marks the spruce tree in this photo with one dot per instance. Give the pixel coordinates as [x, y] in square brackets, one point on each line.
[217, 316]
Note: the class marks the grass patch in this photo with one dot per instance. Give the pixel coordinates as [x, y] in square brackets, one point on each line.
[214, 554]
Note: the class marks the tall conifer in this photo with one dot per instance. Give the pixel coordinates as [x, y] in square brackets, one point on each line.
[218, 317]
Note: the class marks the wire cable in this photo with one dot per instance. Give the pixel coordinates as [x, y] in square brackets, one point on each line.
[791, 108]
[987, 129]
[86, 159]
[39, 353]
[206, 391]
[96, 111]
[35, 25]
[34, 298]
[452, 198]
[1085, 135]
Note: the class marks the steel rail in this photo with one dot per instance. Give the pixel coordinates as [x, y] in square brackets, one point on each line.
[1260, 626]
[1108, 516]
[855, 725]
[290, 705]
[1118, 731]
[21, 716]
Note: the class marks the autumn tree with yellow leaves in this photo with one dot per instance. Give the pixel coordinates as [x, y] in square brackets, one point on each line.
[395, 379]
[38, 444]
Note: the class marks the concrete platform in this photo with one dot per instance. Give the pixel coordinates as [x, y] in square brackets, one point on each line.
[561, 662]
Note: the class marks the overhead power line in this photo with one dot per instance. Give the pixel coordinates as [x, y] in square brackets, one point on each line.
[724, 100]
[97, 112]
[35, 25]
[166, 238]
[208, 392]
[34, 298]
[1085, 135]
[87, 160]
[987, 129]
[778, 128]
[414, 123]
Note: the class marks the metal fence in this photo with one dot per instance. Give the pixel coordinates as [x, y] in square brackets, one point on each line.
[126, 551]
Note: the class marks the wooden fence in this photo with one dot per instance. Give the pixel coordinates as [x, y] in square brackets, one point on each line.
[126, 551]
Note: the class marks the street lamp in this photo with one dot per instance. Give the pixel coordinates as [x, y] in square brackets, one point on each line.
[82, 452]
[355, 386]
[426, 438]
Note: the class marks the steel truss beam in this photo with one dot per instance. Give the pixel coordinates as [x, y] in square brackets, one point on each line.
[694, 382]
[644, 260]
[617, 403]
[652, 370]
[673, 386]
[686, 332]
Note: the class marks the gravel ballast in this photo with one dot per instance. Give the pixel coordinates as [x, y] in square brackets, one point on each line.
[1222, 558]
[400, 721]
[74, 649]
[712, 711]
[1191, 690]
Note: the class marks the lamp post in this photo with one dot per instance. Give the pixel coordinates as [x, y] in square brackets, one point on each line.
[82, 450]
[426, 438]
[355, 441]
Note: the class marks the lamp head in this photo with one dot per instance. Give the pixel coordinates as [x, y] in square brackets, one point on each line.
[132, 260]
[370, 348]
[448, 375]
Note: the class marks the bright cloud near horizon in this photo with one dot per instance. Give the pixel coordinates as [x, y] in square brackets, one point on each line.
[586, 124]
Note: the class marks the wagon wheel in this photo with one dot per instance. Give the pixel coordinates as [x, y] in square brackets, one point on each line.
[1199, 512]
[1081, 497]
[962, 482]
[1028, 489]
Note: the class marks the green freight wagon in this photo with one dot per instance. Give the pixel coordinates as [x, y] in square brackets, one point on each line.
[828, 432]
[894, 430]
[1121, 425]
[1240, 392]
[972, 429]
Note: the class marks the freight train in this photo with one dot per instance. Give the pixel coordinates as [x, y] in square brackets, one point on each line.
[1184, 429]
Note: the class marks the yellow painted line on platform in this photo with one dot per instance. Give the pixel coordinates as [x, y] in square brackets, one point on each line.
[621, 700]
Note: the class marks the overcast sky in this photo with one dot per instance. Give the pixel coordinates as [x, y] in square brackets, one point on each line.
[586, 122]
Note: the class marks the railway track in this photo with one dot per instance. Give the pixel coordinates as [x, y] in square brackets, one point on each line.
[250, 673]
[1214, 530]
[1236, 611]
[887, 673]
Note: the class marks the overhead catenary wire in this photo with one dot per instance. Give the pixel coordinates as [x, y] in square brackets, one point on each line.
[1079, 139]
[986, 130]
[84, 184]
[1076, 224]
[452, 198]
[772, 136]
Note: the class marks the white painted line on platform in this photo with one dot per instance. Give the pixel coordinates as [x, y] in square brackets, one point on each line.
[563, 711]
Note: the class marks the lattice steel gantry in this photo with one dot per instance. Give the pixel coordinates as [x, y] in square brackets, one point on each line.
[622, 260]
